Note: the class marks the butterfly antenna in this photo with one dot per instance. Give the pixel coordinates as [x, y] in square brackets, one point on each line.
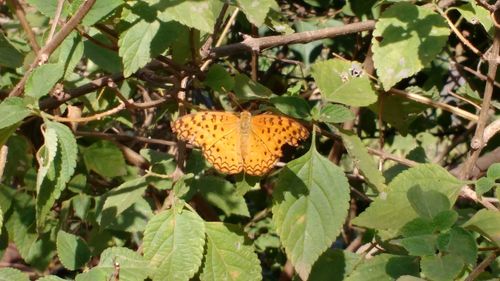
[232, 97]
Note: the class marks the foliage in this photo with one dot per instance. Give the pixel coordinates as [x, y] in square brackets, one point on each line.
[95, 186]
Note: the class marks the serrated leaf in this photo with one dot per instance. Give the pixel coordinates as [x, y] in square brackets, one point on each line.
[100, 10]
[384, 267]
[412, 34]
[43, 78]
[459, 242]
[444, 220]
[196, 14]
[256, 11]
[104, 158]
[441, 267]
[222, 194]
[343, 82]
[132, 266]
[9, 55]
[494, 171]
[70, 52]
[334, 265]
[333, 113]
[121, 198]
[48, 7]
[173, 245]
[487, 223]
[134, 218]
[292, 106]
[310, 192]
[475, 14]
[228, 257]
[73, 252]
[392, 210]
[12, 111]
[135, 44]
[364, 161]
[420, 245]
[12, 274]
[59, 166]
[247, 89]
[427, 204]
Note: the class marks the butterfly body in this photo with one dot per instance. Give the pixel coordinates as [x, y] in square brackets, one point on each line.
[233, 143]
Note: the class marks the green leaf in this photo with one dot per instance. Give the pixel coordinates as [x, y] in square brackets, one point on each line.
[70, 53]
[135, 44]
[484, 185]
[173, 245]
[420, 245]
[222, 194]
[193, 13]
[343, 82]
[384, 267]
[247, 89]
[333, 113]
[73, 252]
[487, 223]
[134, 219]
[334, 265]
[104, 158]
[444, 220]
[459, 242]
[358, 152]
[310, 192]
[427, 204]
[494, 171]
[48, 7]
[106, 59]
[417, 227]
[9, 55]
[475, 14]
[392, 210]
[12, 111]
[132, 266]
[161, 163]
[5, 134]
[12, 274]
[43, 78]
[100, 10]
[292, 106]
[219, 79]
[411, 34]
[256, 12]
[59, 166]
[441, 267]
[228, 256]
[306, 51]
[121, 198]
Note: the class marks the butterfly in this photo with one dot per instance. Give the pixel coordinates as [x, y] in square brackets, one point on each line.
[233, 143]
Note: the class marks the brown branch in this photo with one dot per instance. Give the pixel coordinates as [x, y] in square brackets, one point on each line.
[55, 21]
[108, 136]
[384, 155]
[24, 23]
[473, 72]
[481, 267]
[94, 117]
[258, 44]
[53, 102]
[52, 45]
[492, 129]
[477, 143]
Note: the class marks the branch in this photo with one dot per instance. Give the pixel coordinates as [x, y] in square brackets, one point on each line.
[424, 100]
[258, 44]
[52, 45]
[24, 23]
[481, 267]
[478, 143]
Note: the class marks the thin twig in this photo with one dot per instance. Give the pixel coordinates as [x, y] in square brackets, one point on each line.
[55, 21]
[24, 23]
[97, 116]
[4, 150]
[385, 155]
[481, 267]
[464, 99]
[52, 45]
[477, 143]
[424, 100]
[109, 136]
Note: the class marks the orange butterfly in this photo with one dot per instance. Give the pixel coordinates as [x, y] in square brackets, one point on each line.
[246, 143]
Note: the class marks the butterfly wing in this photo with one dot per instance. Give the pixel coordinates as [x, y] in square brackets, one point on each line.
[268, 134]
[218, 135]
